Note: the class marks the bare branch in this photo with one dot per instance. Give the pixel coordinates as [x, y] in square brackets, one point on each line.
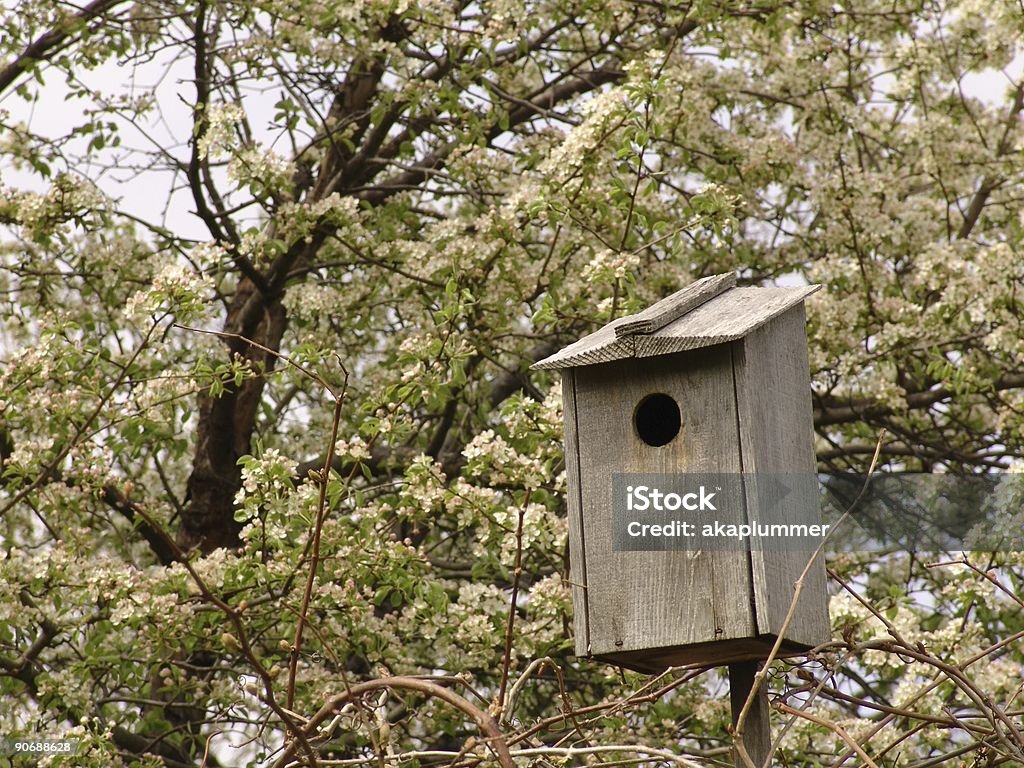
[54, 40]
[837, 411]
[991, 182]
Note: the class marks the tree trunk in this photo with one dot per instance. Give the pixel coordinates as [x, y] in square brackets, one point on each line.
[226, 425]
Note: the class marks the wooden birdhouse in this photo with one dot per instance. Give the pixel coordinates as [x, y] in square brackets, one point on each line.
[706, 392]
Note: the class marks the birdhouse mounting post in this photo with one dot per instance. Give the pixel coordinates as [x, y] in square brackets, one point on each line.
[756, 733]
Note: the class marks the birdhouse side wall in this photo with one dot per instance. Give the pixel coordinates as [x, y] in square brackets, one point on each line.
[776, 434]
[574, 504]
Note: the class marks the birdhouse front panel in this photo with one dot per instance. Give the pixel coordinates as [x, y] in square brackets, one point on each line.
[637, 601]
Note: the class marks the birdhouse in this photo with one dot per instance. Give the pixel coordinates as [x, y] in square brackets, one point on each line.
[701, 402]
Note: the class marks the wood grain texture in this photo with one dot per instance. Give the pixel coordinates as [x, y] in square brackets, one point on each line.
[577, 530]
[599, 347]
[650, 600]
[660, 314]
[757, 734]
[654, 661]
[776, 438]
[727, 317]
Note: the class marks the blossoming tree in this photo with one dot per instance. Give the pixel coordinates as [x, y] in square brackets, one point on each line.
[277, 486]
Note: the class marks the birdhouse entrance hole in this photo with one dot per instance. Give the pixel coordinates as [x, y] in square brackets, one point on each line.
[657, 419]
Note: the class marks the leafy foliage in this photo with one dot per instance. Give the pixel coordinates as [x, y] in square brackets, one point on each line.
[272, 277]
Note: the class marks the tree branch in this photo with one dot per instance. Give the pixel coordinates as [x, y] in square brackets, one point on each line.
[51, 41]
[991, 182]
[197, 168]
[117, 501]
[838, 411]
[487, 725]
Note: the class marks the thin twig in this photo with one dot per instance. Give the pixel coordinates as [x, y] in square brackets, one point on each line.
[499, 699]
[798, 587]
[835, 728]
[486, 723]
[314, 560]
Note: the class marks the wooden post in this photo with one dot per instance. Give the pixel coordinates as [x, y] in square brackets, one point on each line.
[756, 735]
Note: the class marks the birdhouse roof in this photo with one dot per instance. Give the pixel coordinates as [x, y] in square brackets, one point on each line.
[711, 311]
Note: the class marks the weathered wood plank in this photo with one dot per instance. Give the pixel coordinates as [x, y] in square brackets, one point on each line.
[574, 503]
[778, 446]
[651, 600]
[660, 314]
[601, 346]
[727, 317]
